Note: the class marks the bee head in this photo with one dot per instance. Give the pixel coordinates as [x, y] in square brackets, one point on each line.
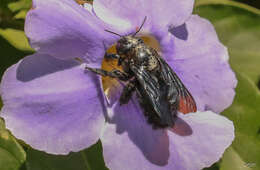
[127, 43]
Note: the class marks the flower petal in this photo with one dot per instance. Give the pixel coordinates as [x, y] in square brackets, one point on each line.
[197, 141]
[211, 135]
[170, 12]
[130, 143]
[201, 62]
[52, 104]
[64, 29]
[126, 14]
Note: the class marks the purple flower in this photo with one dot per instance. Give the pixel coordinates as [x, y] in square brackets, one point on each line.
[54, 105]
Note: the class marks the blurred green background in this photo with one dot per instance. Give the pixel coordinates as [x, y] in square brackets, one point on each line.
[238, 26]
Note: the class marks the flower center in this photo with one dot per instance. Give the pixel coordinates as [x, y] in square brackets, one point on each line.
[111, 85]
[82, 2]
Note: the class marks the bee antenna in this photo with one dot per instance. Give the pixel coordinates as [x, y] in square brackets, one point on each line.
[114, 33]
[140, 26]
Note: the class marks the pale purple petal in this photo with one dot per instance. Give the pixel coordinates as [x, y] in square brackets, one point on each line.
[201, 62]
[170, 12]
[51, 104]
[197, 141]
[64, 29]
[130, 143]
[211, 135]
[126, 14]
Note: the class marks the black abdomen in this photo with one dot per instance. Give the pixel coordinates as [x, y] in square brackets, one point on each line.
[167, 118]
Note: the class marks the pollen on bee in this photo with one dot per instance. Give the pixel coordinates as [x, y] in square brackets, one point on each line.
[81, 2]
[152, 42]
[109, 84]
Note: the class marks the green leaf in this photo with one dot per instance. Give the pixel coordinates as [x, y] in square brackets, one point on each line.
[245, 109]
[12, 154]
[245, 114]
[239, 30]
[19, 5]
[254, 3]
[232, 160]
[228, 3]
[17, 38]
[7, 19]
[21, 14]
[213, 167]
[3, 6]
[95, 157]
[89, 159]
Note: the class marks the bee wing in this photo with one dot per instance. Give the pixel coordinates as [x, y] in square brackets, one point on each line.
[186, 103]
[149, 88]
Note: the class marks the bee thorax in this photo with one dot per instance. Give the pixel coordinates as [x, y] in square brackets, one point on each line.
[143, 56]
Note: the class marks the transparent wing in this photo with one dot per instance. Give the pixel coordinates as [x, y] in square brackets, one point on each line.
[149, 87]
[186, 103]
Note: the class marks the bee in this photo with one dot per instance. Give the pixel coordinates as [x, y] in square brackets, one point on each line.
[160, 92]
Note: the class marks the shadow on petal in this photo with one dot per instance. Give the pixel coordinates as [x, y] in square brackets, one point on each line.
[154, 144]
[180, 32]
[39, 65]
[181, 128]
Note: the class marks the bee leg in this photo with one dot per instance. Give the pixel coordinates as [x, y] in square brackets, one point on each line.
[127, 92]
[113, 74]
[114, 56]
[111, 56]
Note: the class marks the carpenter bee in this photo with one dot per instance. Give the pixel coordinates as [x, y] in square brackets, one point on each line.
[159, 90]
